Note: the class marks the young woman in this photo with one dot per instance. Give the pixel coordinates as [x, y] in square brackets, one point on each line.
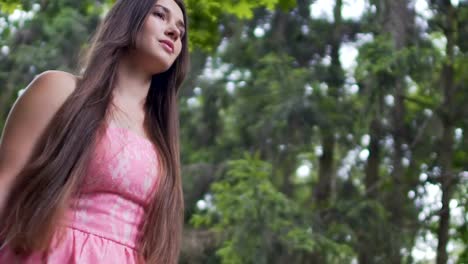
[89, 164]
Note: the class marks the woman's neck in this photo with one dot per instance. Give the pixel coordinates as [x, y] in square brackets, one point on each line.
[133, 82]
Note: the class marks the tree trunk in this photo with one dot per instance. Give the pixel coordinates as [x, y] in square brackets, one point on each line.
[326, 185]
[373, 162]
[446, 144]
[366, 256]
[323, 189]
[398, 20]
[398, 196]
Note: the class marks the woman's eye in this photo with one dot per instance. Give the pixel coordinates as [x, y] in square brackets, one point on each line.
[159, 14]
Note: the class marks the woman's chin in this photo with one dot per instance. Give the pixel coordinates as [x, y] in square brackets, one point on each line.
[161, 68]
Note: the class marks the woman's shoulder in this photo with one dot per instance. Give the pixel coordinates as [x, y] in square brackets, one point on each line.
[29, 117]
[51, 87]
[57, 74]
[44, 95]
[54, 81]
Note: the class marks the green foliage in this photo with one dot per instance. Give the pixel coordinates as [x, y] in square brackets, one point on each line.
[252, 215]
[204, 15]
[283, 98]
[372, 62]
[9, 6]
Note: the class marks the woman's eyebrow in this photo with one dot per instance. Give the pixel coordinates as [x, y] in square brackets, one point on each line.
[179, 23]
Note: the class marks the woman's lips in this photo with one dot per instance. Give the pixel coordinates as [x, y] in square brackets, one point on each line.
[167, 45]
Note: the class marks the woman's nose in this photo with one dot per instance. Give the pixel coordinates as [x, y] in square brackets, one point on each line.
[171, 31]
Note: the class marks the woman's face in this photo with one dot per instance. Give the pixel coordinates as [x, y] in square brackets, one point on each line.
[160, 38]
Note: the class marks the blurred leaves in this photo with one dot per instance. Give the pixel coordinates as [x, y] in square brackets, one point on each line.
[252, 215]
[267, 85]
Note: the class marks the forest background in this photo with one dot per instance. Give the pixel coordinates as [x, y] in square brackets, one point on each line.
[312, 131]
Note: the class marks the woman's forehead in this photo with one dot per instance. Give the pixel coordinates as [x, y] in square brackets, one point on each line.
[172, 7]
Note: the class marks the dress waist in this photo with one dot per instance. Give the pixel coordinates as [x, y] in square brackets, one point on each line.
[107, 215]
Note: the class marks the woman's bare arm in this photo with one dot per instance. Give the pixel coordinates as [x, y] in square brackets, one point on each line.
[27, 120]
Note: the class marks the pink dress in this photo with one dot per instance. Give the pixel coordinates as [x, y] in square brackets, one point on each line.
[104, 224]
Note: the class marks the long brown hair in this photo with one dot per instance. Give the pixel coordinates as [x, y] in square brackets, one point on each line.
[42, 190]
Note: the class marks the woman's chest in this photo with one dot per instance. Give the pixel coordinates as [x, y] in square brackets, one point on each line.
[123, 162]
